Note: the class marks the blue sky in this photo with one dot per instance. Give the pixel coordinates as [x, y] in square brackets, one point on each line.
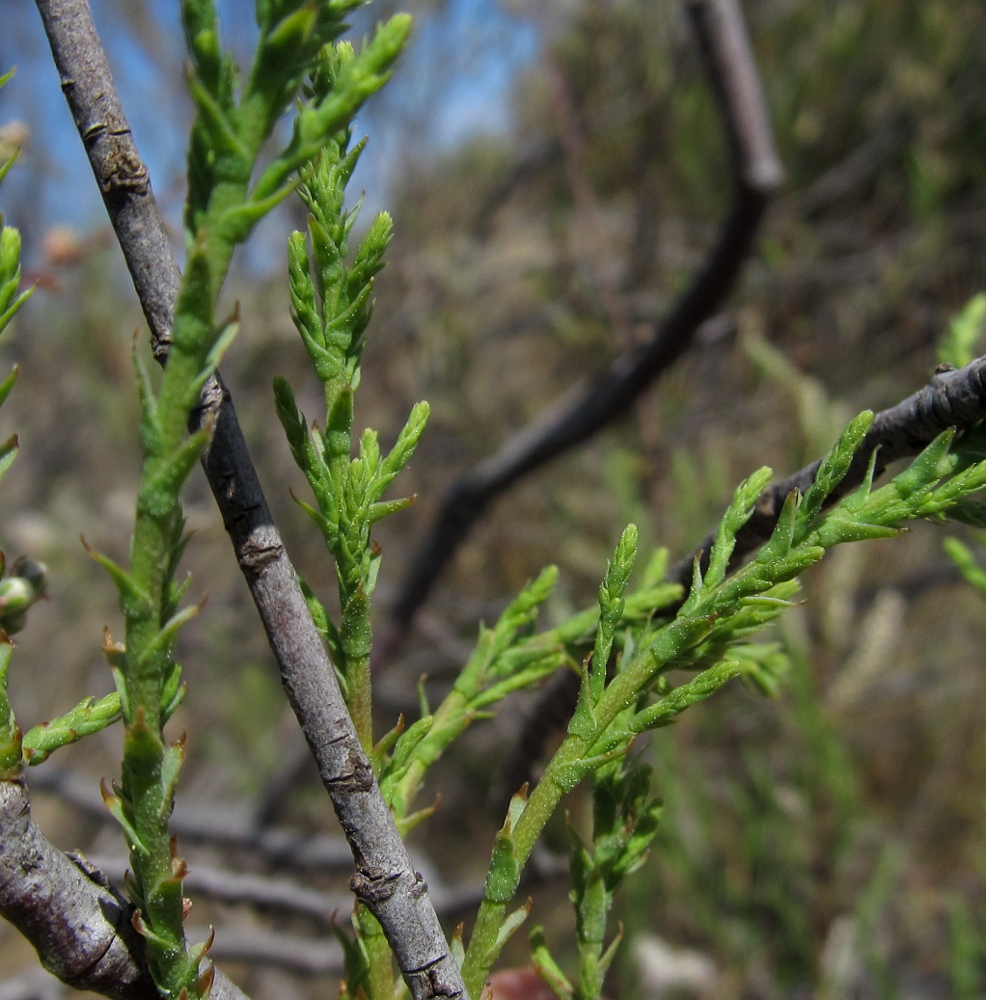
[459, 66]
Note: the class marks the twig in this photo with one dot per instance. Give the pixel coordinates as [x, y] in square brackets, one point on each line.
[288, 896]
[122, 177]
[234, 888]
[287, 951]
[230, 828]
[951, 399]
[81, 928]
[385, 880]
[43, 891]
[587, 409]
[851, 171]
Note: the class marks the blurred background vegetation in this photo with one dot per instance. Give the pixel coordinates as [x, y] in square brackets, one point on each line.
[556, 171]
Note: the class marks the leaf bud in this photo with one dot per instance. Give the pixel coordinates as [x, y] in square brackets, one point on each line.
[26, 585]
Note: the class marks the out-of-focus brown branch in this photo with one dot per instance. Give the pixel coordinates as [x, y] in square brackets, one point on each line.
[290, 897]
[225, 827]
[385, 881]
[230, 828]
[587, 409]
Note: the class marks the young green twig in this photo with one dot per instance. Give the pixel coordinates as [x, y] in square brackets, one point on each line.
[719, 610]
[409, 921]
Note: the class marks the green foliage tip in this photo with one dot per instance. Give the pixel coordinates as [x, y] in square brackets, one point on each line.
[961, 342]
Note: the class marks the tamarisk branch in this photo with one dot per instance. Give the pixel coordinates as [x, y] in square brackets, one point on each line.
[955, 398]
[385, 880]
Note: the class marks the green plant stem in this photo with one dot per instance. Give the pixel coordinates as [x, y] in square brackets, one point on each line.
[147, 785]
[482, 951]
[11, 761]
[360, 701]
[590, 970]
[454, 710]
[150, 767]
[620, 694]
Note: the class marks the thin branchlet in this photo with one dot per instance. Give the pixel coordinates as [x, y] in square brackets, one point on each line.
[707, 635]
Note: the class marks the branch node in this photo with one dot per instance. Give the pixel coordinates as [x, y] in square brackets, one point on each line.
[373, 886]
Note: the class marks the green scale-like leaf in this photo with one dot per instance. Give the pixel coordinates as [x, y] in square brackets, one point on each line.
[89, 716]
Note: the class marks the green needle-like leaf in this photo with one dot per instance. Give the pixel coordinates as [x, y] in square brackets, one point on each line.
[158, 494]
[964, 333]
[737, 514]
[832, 471]
[7, 384]
[8, 452]
[134, 600]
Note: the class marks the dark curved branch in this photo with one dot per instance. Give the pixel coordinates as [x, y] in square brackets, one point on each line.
[385, 880]
[951, 399]
[587, 409]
